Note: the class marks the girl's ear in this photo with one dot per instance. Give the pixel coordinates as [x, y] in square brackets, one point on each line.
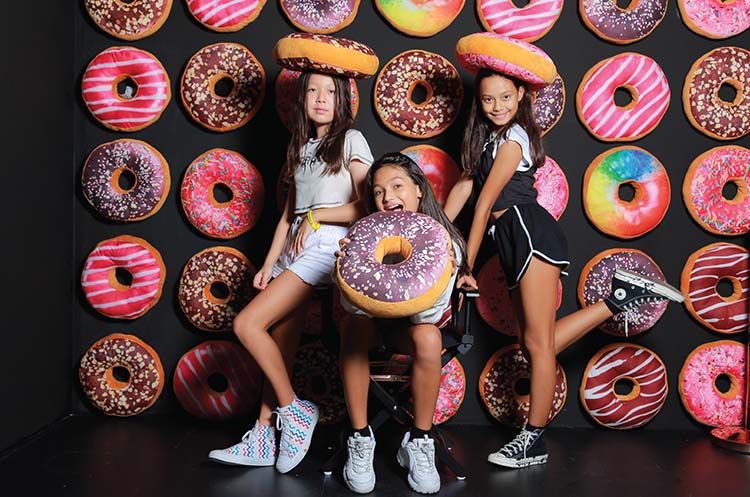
[521, 92]
[419, 192]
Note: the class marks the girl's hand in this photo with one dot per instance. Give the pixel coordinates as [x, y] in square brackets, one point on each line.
[467, 282]
[342, 245]
[298, 244]
[263, 277]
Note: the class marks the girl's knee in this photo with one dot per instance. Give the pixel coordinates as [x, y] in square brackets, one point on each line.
[538, 342]
[427, 340]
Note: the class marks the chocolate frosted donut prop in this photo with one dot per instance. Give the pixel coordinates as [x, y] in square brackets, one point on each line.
[504, 387]
[548, 104]
[715, 19]
[131, 259]
[647, 85]
[317, 379]
[225, 15]
[527, 23]
[703, 190]
[552, 187]
[627, 364]
[439, 167]
[141, 164]
[419, 17]
[220, 62]
[121, 375]
[706, 268]
[217, 380]
[404, 288]
[700, 380]
[394, 94]
[226, 170]
[146, 90]
[216, 284]
[595, 284]
[320, 16]
[706, 109]
[607, 174]
[129, 20]
[325, 54]
[622, 25]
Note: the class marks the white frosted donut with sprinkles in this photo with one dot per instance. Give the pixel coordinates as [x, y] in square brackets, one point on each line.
[131, 111]
[715, 19]
[622, 25]
[528, 23]
[629, 363]
[320, 16]
[225, 16]
[131, 20]
[106, 294]
[642, 77]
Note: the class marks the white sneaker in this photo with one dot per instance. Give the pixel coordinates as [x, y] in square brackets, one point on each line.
[359, 474]
[296, 422]
[257, 448]
[418, 456]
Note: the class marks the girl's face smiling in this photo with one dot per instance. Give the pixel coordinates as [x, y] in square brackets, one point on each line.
[499, 98]
[320, 100]
[393, 189]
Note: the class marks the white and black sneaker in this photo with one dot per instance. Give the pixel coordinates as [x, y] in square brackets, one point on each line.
[629, 290]
[526, 449]
[359, 474]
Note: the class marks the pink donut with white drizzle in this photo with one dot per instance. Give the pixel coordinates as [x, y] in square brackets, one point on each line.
[622, 25]
[112, 298]
[642, 77]
[320, 16]
[129, 20]
[552, 187]
[225, 15]
[548, 104]
[528, 23]
[624, 361]
[128, 112]
[222, 219]
[715, 19]
[698, 390]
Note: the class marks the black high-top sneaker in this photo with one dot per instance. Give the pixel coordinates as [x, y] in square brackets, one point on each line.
[526, 449]
[629, 290]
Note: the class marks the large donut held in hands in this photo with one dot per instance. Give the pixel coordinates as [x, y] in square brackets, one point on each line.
[548, 104]
[527, 23]
[320, 16]
[395, 86]
[129, 20]
[617, 25]
[628, 363]
[404, 288]
[439, 167]
[214, 63]
[121, 375]
[705, 109]
[146, 95]
[225, 15]
[316, 378]
[325, 54]
[419, 17]
[715, 18]
[704, 185]
[642, 77]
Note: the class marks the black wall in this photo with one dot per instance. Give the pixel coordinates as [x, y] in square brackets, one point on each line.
[573, 47]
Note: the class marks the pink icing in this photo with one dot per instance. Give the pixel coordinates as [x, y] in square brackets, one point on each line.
[715, 18]
[528, 23]
[552, 187]
[225, 15]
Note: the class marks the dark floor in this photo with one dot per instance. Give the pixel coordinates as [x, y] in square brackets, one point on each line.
[150, 456]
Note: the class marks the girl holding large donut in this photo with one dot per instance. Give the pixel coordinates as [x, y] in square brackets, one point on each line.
[326, 165]
[396, 183]
[502, 148]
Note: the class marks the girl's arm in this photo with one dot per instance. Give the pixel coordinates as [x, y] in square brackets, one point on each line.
[263, 276]
[458, 196]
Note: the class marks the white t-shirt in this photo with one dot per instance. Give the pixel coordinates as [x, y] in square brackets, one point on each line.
[514, 134]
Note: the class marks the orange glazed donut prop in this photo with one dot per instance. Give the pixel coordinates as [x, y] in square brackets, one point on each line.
[325, 54]
[129, 20]
[121, 375]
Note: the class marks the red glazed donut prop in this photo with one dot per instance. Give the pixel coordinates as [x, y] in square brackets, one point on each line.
[325, 54]
[225, 16]
[320, 16]
[439, 167]
[129, 20]
[316, 378]
[121, 375]
[404, 288]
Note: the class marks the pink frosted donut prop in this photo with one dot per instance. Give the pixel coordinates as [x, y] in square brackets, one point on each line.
[705, 109]
[552, 187]
[286, 89]
[145, 268]
[214, 218]
[316, 378]
[624, 362]
[394, 90]
[214, 63]
[595, 284]
[504, 398]
[642, 77]
[506, 55]
[420, 17]
[129, 20]
[217, 380]
[548, 104]
[617, 25]
[714, 18]
[121, 375]
[702, 190]
[210, 308]
[438, 166]
[320, 16]
[395, 290]
[527, 23]
[326, 54]
[701, 275]
[126, 112]
[698, 389]
[100, 180]
[225, 16]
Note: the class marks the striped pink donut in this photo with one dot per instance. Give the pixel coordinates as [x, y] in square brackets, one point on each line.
[193, 381]
[636, 73]
[112, 298]
[121, 112]
[225, 15]
[528, 23]
[628, 362]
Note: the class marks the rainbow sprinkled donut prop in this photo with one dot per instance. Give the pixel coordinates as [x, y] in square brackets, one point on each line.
[420, 17]
[527, 23]
[317, 378]
[326, 54]
[620, 25]
[225, 16]
[320, 16]
[715, 18]
[395, 290]
[552, 187]
[439, 167]
[548, 104]
[129, 20]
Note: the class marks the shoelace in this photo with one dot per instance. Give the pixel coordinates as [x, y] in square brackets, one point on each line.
[284, 442]
[518, 444]
[424, 455]
[361, 461]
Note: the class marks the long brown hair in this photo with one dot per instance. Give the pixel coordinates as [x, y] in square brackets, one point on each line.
[478, 128]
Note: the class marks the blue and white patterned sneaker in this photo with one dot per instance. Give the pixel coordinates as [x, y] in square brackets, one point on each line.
[257, 448]
[296, 422]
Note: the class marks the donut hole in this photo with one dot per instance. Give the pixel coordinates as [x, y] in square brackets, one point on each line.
[520, 3]
[625, 97]
[217, 292]
[318, 385]
[393, 250]
[420, 92]
[522, 388]
[218, 383]
[734, 191]
[729, 92]
[126, 88]
[626, 5]
[124, 180]
[729, 288]
[118, 377]
[726, 385]
[629, 192]
[220, 194]
[120, 278]
[626, 388]
[222, 85]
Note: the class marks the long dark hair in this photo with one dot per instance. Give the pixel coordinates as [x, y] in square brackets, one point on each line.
[428, 204]
[331, 149]
[478, 128]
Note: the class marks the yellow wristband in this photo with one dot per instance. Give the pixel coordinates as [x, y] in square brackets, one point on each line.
[315, 226]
